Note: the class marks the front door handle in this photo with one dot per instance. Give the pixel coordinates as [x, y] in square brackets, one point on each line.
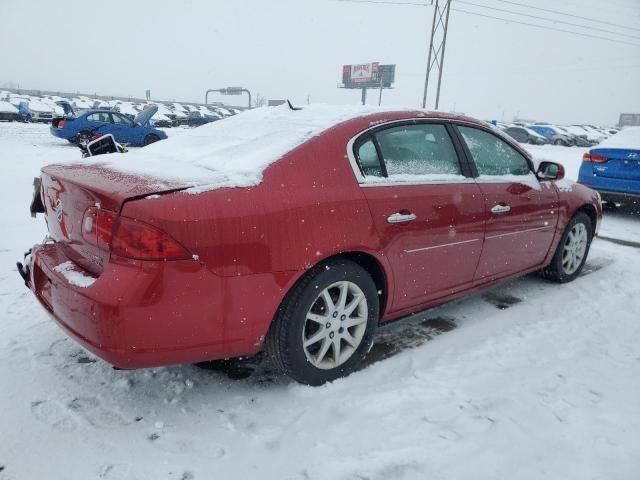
[500, 209]
[401, 217]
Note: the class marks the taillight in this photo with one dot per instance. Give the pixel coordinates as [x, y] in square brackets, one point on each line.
[138, 240]
[593, 158]
[61, 123]
[128, 237]
[97, 227]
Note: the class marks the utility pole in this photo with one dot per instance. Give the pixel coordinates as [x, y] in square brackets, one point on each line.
[437, 43]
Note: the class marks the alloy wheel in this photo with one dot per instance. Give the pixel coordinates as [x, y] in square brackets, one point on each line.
[575, 247]
[335, 325]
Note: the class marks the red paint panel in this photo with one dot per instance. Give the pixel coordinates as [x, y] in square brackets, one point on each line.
[438, 251]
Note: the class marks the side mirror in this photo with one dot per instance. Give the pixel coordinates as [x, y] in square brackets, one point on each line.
[550, 171]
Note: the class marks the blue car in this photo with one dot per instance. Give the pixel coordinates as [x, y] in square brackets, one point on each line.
[91, 122]
[613, 167]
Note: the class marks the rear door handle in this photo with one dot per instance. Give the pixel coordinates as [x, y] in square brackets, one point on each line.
[500, 209]
[401, 217]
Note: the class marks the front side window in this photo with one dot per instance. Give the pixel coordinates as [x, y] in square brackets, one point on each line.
[492, 155]
[121, 119]
[422, 149]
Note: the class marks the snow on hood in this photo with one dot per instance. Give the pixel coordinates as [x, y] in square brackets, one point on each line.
[234, 152]
[628, 138]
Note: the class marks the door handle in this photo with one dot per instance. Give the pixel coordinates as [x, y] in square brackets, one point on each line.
[401, 217]
[500, 209]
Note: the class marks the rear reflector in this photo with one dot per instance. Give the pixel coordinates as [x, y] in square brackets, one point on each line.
[138, 240]
[592, 158]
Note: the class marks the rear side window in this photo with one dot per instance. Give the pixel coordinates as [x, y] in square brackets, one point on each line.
[422, 149]
[368, 159]
[99, 117]
[492, 155]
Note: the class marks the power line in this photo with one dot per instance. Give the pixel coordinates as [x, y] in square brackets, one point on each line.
[545, 27]
[386, 2]
[547, 19]
[568, 14]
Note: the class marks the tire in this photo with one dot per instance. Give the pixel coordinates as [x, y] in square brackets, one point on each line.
[149, 139]
[565, 266]
[558, 142]
[82, 135]
[285, 342]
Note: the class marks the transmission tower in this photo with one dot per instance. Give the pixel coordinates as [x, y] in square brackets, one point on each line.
[437, 45]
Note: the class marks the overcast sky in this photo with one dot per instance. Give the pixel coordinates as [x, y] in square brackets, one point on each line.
[295, 48]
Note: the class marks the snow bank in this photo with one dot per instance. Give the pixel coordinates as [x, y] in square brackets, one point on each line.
[234, 152]
[628, 138]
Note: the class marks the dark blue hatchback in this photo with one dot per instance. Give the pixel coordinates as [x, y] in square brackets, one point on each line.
[124, 130]
[613, 167]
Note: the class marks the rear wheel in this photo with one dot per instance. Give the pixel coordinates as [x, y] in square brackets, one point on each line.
[82, 136]
[149, 139]
[325, 326]
[558, 142]
[572, 250]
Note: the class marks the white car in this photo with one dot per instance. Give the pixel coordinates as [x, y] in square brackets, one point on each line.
[38, 110]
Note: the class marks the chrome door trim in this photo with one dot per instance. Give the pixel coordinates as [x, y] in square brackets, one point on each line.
[424, 249]
[518, 232]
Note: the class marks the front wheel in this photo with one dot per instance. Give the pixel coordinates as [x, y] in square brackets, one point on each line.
[149, 139]
[326, 324]
[572, 250]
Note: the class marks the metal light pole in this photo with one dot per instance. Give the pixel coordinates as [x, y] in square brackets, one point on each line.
[438, 37]
[228, 91]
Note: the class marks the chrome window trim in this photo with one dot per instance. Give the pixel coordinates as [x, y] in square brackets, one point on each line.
[498, 133]
[362, 179]
[366, 184]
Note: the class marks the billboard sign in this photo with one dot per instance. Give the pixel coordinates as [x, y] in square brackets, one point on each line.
[368, 75]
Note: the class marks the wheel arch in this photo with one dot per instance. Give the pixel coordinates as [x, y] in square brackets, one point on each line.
[590, 211]
[369, 262]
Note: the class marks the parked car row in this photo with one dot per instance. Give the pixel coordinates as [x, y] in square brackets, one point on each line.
[546, 133]
[28, 108]
[84, 125]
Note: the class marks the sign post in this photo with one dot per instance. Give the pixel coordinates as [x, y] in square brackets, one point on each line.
[228, 91]
[368, 75]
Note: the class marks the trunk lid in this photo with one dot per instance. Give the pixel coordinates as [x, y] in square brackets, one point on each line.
[67, 191]
[622, 163]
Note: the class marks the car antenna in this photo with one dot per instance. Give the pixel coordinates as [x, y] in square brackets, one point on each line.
[292, 107]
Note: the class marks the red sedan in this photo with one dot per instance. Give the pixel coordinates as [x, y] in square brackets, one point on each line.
[297, 232]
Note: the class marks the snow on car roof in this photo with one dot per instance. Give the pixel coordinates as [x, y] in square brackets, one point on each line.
[7, 107]
[234, 152]
[628, 138]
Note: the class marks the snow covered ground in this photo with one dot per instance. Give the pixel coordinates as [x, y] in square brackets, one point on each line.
[529, 380]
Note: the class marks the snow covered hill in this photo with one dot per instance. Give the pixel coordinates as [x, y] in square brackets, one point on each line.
[529, 380]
